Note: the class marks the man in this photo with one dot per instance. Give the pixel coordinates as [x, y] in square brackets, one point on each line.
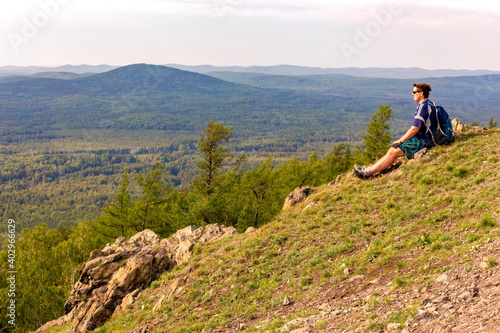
[415, 139]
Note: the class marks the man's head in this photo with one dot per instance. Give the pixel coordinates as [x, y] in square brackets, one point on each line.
[421, 91]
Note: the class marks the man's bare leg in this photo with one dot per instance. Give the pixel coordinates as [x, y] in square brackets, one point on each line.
[386, 161]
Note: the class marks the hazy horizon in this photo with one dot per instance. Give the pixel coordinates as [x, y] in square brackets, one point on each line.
[249, 66]
[427, 34]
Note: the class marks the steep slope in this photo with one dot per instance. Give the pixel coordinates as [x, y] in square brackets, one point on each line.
[416, 250]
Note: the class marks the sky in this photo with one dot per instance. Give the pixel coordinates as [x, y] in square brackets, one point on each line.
[430, 34]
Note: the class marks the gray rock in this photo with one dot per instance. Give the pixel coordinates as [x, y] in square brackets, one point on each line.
[113, 277]
[296, 196]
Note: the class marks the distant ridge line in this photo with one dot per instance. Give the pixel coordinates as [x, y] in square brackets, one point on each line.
[291, 70]
[389, 73]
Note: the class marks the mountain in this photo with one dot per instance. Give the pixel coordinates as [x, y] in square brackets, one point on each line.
[392, 73]
[123, 80]
[151, 78]
[157, 97]
[140, 97]
[415, 250]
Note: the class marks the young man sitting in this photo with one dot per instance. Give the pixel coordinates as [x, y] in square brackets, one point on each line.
[415, 139]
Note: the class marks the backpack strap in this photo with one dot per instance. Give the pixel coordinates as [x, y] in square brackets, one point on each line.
[437, 118]
[427, 122]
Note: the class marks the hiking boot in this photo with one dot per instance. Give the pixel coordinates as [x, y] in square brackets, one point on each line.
[362, 172]
[359, 168]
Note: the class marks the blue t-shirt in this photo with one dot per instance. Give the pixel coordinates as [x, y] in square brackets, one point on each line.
[424, 120]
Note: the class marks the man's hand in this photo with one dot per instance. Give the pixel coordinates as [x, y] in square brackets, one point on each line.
[396, 144]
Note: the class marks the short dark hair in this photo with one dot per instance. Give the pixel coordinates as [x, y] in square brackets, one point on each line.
[424, 87]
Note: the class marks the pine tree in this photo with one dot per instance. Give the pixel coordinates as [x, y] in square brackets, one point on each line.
[492, 123]
[214, 156]
[117, 215]
[148, 211]
[339, 161]
[211, 187]
[378, 137]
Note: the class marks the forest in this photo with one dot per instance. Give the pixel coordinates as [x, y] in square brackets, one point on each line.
[47, 259]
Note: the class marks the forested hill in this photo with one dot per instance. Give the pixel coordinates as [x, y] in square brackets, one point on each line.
[113, 95]
[144, 96]
[140, 97]
[155, 79]
[395, 73]
[373, 72]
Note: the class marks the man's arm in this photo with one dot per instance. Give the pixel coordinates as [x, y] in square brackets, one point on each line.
[409, 134]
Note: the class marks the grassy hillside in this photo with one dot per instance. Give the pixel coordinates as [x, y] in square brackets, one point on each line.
[356, 256]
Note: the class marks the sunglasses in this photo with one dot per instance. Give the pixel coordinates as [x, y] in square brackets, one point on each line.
[414, 92]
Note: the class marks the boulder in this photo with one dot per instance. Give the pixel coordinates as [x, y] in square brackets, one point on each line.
[458, 126]
[113, 277]
[296, 196]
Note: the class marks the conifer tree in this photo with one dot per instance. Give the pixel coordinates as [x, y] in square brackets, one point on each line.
[147, 209]
[214, 156]
[257, 191]
[378, 137]
[117, 215]
[339, 161]
[40, 278]
[212, 187]
[492, 123]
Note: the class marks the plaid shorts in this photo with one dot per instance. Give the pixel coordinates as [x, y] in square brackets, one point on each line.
[413, 145]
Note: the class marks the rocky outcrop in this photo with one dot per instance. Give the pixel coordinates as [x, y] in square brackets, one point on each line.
[114, 276]
[458, 126]
[296, 196]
